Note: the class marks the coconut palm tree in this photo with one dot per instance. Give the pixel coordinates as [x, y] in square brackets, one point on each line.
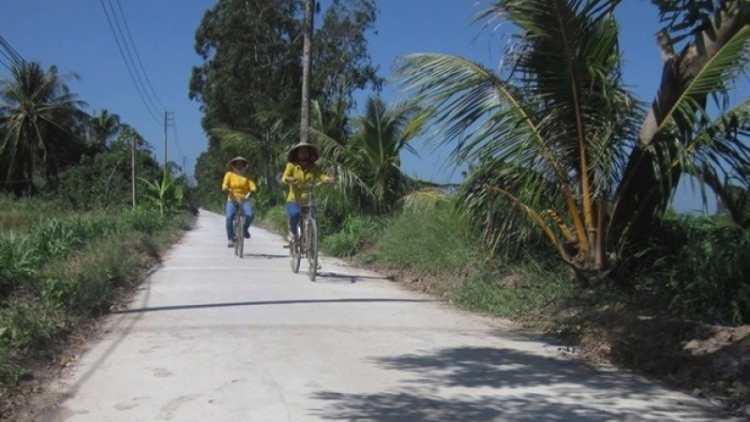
[39, 115]
[560, 124]
[103, 126]
[370, 162]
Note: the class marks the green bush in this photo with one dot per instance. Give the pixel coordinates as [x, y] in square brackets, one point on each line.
[18, 261]
[26, 324]
[88, 283]
[277, 219]
[701, 265]
[356, 232]
[522, 290]
[433, 241]
[142, 220]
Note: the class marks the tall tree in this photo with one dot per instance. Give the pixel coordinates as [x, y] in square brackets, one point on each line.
[342, 63]
[249, 61]
[39, 118]
[250, 82]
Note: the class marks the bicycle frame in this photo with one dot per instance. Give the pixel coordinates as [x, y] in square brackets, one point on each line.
[306, 240]
[239, 225]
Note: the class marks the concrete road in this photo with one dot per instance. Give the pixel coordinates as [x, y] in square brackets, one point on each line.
[211, 337]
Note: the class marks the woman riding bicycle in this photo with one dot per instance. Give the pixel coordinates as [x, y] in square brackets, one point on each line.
[300, 170]
[237, 186]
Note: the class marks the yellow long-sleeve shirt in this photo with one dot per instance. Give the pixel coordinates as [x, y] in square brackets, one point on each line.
[239, 184]
[302, 177]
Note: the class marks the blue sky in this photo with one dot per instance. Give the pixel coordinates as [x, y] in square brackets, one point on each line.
[76, 37]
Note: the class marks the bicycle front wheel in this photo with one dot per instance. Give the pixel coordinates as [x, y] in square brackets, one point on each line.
[311, 246]
[239, 235]
[295, 253]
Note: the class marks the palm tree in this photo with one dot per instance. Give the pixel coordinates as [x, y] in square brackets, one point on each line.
[103, 127]
[558, 124]
[370, 162]
[38, 115]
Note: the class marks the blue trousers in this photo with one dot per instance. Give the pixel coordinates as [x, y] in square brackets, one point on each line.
[293, 210]
[229, 214]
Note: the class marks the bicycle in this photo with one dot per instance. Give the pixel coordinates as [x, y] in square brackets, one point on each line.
[238, 226]
[304, 240]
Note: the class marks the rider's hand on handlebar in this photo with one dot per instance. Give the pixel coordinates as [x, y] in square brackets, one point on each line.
[291, 180]
[331, 180]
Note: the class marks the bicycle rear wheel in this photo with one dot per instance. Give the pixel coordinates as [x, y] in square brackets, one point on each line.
[311, 246]
[239, 235]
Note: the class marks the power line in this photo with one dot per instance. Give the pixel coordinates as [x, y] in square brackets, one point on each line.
[128, 47]
[127, 65]
[11, 54]
[138, 57]
[12, 58]
[6, 65]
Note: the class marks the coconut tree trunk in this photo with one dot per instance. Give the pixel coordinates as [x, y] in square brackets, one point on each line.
[306, 71]
[640, 194]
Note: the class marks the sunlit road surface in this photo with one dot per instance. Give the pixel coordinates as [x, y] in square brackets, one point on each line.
[211, 337]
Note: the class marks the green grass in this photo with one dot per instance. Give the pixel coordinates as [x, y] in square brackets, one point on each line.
[432, 241]
[523, 291]
[356, 232]
[57, 272]
[699, 267]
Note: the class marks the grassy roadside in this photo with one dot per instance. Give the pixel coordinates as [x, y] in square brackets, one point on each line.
[58, 274]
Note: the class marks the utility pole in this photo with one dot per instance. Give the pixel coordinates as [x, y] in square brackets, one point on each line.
[306, 71]
[132, 166]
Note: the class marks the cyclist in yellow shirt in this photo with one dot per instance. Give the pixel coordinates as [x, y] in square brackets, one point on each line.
[237, 185]
[300, 170]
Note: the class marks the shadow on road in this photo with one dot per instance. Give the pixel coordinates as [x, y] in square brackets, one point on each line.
[263, 255]
[258, 303]
[490, 384]
[351, 278]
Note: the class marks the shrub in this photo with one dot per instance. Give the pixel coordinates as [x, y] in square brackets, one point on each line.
[26, 324]
[142, 220]
[18, 261]
[701, 264]
[433, 241]
[356, 231]
[277, 219]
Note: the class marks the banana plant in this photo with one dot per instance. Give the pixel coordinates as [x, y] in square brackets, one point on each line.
[166, 194]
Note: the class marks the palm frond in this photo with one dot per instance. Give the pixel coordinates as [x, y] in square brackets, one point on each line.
[714, 77]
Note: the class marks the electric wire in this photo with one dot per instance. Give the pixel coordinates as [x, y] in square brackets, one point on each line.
[6, 65]
[127, 64]
[12, 54]
[131, 50]
[137, 56]
[12, 58]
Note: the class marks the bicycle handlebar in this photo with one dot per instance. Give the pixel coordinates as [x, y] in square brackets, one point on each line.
[244, 197]
[311, 183]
